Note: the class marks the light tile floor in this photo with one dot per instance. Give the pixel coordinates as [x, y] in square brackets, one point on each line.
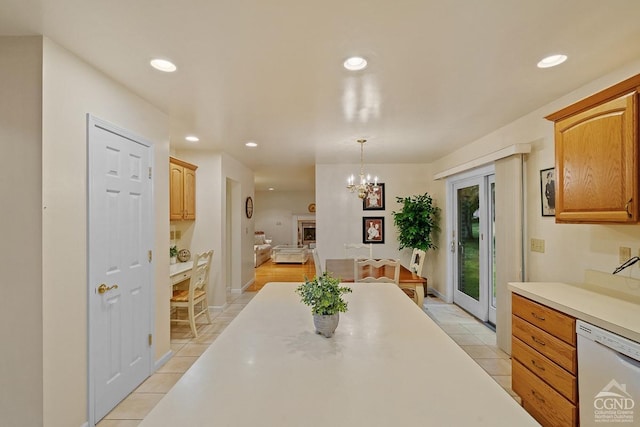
[472, 336]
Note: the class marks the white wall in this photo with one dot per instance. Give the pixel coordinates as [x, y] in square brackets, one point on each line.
[339, 212]
[71, 89]
[274, 211]
[21, 249]
[209, 230]
[236, 171]
[570, 249]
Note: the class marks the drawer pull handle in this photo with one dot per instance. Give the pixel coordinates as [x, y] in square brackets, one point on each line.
[533, 362]
[537, 341]
[536, 316]
[537, 396]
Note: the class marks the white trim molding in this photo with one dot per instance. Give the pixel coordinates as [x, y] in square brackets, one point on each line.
[486, 159]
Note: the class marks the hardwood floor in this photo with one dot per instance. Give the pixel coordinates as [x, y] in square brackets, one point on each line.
[270, 272]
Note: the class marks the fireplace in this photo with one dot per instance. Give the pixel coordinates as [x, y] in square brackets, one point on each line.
[307, 232]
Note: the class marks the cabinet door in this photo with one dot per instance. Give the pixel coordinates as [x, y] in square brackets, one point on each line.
[597, 165]
[189, 197]
[176, 179]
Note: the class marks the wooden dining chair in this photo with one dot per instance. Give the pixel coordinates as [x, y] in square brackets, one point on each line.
[380, 271]
[194, 298]
[386, 271]
[349, 248]
[417, 261]
[316, 261]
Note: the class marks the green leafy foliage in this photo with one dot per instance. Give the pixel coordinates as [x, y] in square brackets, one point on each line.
[323, 294]
[417, 222]
[173, 251]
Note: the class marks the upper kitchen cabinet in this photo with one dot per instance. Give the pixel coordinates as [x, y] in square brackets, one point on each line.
[596, 147]
[182, 190]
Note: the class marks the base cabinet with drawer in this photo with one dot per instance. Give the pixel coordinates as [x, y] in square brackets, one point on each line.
[544, 362]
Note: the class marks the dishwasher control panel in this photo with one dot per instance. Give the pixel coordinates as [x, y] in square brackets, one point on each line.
[609, 339]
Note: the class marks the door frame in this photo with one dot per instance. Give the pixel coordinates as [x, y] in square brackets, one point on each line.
[481, 173]
[92, 123]
[491, 232]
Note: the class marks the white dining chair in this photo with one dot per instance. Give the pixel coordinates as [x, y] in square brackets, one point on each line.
[194, 298]
[417, 261]
[318, 264]
[368, 271]
[350, 248]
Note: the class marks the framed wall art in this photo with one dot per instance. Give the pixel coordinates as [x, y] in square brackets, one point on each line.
[548, 191]
[373, 229]
[374, 201]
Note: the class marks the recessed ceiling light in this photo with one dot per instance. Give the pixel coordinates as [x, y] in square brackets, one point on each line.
[251, 144]
[271, 188]
[192, 138]
[163, 65]
[552, 61]
[355, 63]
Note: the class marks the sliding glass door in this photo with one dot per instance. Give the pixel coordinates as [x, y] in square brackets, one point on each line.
[472, 244]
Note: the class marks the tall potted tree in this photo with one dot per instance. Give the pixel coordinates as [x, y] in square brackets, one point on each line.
[417, 222]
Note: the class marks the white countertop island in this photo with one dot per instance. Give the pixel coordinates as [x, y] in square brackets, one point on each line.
[388, 364]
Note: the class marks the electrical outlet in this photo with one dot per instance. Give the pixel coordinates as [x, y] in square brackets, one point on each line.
[625, 253]
[537, 245]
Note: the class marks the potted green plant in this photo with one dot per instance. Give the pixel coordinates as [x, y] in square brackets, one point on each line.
[324, 295]
[173, 253]
[417, 221]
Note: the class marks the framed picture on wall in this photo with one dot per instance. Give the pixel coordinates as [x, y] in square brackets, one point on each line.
[548, 191]
[373, 229]
[374, 201]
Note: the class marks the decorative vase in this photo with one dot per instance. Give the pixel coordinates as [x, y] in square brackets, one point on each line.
[173, 259]
[326, 324]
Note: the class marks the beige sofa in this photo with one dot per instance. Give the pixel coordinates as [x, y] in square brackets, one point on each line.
[261, 249]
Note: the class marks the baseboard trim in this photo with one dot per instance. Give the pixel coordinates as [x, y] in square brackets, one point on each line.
[435, 292]
[249, 283]
[164, 359]
[218, 308]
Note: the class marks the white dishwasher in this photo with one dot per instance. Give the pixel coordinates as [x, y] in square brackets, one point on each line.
[608, 377]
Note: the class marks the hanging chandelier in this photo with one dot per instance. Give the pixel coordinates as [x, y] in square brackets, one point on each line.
[364, 185]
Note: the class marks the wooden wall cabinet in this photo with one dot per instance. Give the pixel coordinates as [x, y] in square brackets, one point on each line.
[544, 362]
[596, 148]
[182, 190]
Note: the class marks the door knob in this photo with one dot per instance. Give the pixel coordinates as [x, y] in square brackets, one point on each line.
[104, 288]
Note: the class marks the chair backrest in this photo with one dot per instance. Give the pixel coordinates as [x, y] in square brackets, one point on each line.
[417, 261]
[200, 272]
[359, 247]
[371, 270]
[316, 261]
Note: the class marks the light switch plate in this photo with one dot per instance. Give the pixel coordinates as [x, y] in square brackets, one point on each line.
[537, 245]
[625, 253]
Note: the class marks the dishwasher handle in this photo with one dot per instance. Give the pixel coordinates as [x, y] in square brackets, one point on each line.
[629, 361]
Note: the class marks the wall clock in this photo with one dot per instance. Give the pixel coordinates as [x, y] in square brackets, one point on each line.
[248, 207]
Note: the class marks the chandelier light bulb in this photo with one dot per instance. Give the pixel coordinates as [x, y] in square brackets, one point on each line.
[365, 186]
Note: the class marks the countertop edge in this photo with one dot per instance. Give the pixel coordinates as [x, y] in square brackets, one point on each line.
[532, 290]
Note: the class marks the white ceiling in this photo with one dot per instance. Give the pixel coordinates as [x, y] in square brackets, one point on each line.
[441, 73]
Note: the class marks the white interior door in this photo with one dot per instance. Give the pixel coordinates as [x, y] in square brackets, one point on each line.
[120, 273]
